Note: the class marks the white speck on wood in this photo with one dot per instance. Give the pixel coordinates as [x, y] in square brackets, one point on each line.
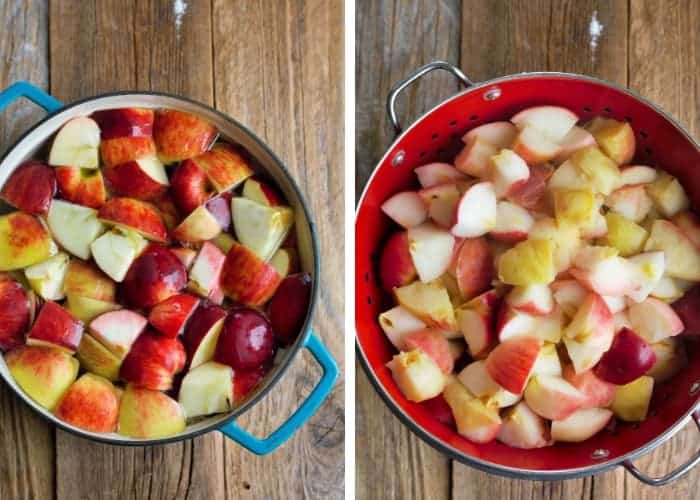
[179, 10]
[595, 29]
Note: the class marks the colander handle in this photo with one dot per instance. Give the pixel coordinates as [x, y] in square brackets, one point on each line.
[671, 476]
[31, 92]
[299, 418]
[415, 76]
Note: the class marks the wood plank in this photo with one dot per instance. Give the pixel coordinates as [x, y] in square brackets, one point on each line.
[531, 36]
[663, 68]
[394, 38]
[278, 69]
[107, 46]
[26, 441]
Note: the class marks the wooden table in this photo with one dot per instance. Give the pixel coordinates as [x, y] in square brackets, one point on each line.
[275, 66]
[650, 46]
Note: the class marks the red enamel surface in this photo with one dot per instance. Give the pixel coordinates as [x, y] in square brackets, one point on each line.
[437, 138]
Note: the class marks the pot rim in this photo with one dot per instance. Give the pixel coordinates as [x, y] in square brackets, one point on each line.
[279, 370]
[484, 465]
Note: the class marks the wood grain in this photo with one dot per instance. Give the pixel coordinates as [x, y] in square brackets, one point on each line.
[26, 441]
[653, 47]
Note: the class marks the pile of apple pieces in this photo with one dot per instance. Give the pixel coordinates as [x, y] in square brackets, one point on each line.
[120, 266]
[540, 281]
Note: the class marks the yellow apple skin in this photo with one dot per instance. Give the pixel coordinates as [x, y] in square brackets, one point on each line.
[574, 206]
[149, 414]
[625, 235]
[24, 241]
[95, 358]
[44, 373]
[602, 174]
[91, 403]
[668, 195]
[527, 263]
[615, 138]
[86, 309]
[631, 402]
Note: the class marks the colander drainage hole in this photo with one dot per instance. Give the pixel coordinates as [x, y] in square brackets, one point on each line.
[453, 123]
[643, 134]
[607, 110]
[628, 119]
[474, 117]
[435, 136]
[366, 276]
[694, 388]
[369, 300]
[648, 151]
[600, 453]
[587, 109]
[422, 154]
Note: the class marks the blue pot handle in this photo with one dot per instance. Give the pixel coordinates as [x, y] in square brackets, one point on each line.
[31, 92]
[305, 411]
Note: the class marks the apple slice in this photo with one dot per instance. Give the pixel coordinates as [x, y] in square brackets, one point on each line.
[289, 307]
[30, 187]
[55, 327]
[225, 167]
[285, 261]
[548, 362]
[532, 299]
[688, 310]
[650, 266]
[476, 211]
[433, 174]
[115, 251]
[527, 263]
[429, 302]
[82, 186]
[431, 250]
[200, 225]
[473, 267]
[406, 209]
[631, 402]
[248, 279]
[668, 195]
[202, 333]
[637, 174]
[433, 343]
[522, 428]
[577, 138]
[689, 224]
[136, 215]
[631, 201]
[207, 389]
[565, 238]
[628, 358]
[500, 134]
[417, 375]
[170, 316]
[153, 361]
[125, 149]
[76, 144]
[534, 146]
[206, 270]
[24, 241]
[190, 187]
[262, 192]
[614, 137]
[147, 414]
[552, 397]
[90, 403]
[441, 201]
[568, 176]
[44, 373]
[86, 309]
[511, 362]
[46, 278]
[118, 330]
[654, 320]
[511, 323]
[568, 294]
[549, 328]
[97, 359]
[476, 320]
[474, 158]
[84, 279]
[508, 172]
[596, 392]
[670, 289]
[581, 425]
[260, 228]
[553, 121]
[180, 135]
[396, 263]
[397, 323]
[125, 122]
[671, 358]
[477, 380]
[14, 314]
[599, 172]
[624, 235]
[682, 258]
[513, 223]
[475, 420]
[530, 194]
[75, 227]
[144, 178]
[601, 270]
[589, 334]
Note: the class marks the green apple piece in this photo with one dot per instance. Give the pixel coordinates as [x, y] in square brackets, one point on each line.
[260, 228]
[46, 278]
[24, 241]
[115, 250]
[86, 308]
[207, 389]
[149, 414]
[75, 227]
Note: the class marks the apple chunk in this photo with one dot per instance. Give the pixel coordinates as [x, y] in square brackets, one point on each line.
[149, 414]
[396, 266]
[417, 375]
[225, 167]
[30, 187]
[96, 358]
[207, 389]
[552, 397]
[475, 420]
[135, 215]
[508, 172]
[527, 263]
[75, 227]
[260, 228]
[532, 299]
[668, 195]
[206, 270]
[84, 279]
[202, 333]
[500, 134]
[614, 137]
[434, 174]
[55, 327]
[90, 403]
[153, 361]
[170, 316]
[654, 320]
[476, 211]
[397, 323]
[248, 279]
[431, 250]
[553, 121]
[511, 362]
[580, 425]
[118, 330]
[440, 202]
[631, 402]
[14, 314]
[522, 428]
[590, 333]
[429, 302]
[682, 258]
[76, 144]
[473, 267]
[144, 178]
[47, 278]
[628, 358]
[24, 241]
[406, 209]
[115, 251]
[82, 186]
[180, 135]
[513, 222]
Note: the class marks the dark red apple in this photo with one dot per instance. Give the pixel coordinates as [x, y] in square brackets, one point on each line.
[153, 277]
[288, 307]
[124, 122]
[132, 180]
[628, 358]
[153, 361]
[396, 264]
[190, 187]
[203, 329]
[245, 381]
[246, 340]
[688, 309]
[246, 278]
[169, 317]
[14, 314]
[30, 187]
[220, 208]
[56, 327]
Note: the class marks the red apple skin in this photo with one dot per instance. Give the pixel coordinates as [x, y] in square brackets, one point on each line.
[137, 214]
[124, 122]
[123, 149]
[220, 208]
[396, 267]
[30, 188]
[82, 186]
[56, 326]
[129, 179]
[225, 166]
[628, 358]
[201, 321]
[288, 308]
[190, 187]
[246, 340]
[511, 362]
[434, 344]
[154, 276]
[439, 409]
[170, 316]
[153, 361]
[168, 210]
[598, 392]
[180, 135]
[272, 195]
[688, 309]
[473, 267]
[90, 403]
[530, 194]
[14, 314]
[246, 278]
[244, 381]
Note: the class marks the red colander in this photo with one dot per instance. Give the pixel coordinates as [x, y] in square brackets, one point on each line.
[436, 136]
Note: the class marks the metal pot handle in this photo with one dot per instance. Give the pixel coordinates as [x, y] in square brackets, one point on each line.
[415, 76]
[671, 476]
[31, 92]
